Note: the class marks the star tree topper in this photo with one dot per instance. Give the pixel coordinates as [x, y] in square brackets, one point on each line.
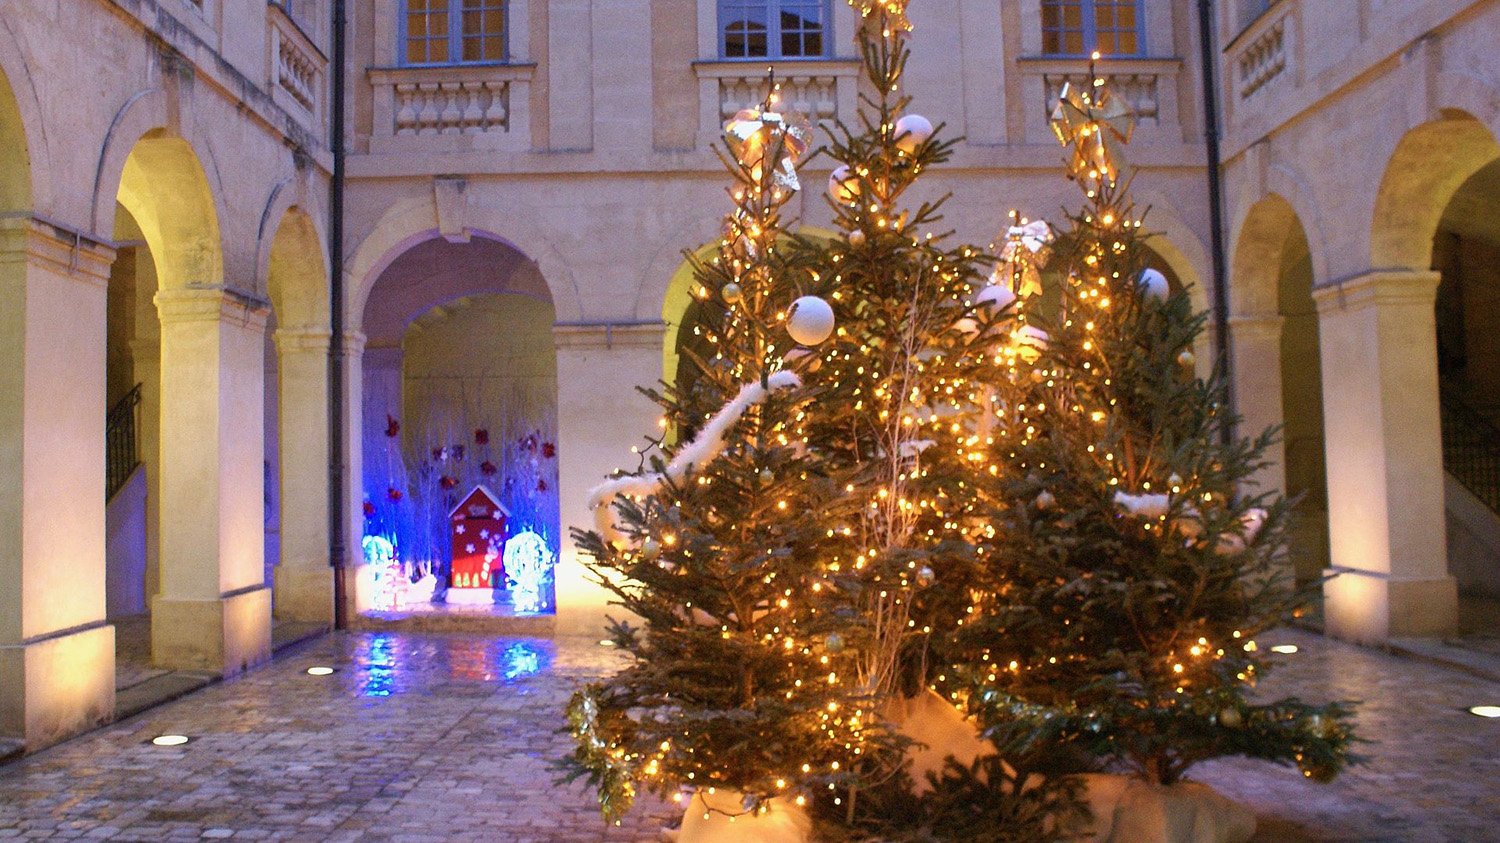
[894, 11]
[1096, 124]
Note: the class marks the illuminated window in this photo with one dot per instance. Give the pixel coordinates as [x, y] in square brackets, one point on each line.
[1079, 27]
[453, 31]
[775, 29]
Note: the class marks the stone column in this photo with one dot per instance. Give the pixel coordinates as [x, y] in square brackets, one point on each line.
[600, 415]
[57, 653]
[214, 609]
[1385, 461]
[1255, 349]
[304, 580]
[357, 589]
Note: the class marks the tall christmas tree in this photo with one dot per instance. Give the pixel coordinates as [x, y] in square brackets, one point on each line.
[778, 552]
[1132, 565]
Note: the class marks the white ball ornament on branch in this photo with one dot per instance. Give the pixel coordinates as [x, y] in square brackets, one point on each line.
[731, 293]
[857, 237]
[810, 320]
[1154, 285]
[843, 185]
[911, 132]
[1030, 342]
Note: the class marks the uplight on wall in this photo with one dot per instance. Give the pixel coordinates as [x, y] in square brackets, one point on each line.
[319, 671]
[1284, 649]
[1491, 711]
[170, 740]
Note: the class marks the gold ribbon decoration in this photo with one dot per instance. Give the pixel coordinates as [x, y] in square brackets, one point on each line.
[754, 132]
[1096, 124]
[1027, 248]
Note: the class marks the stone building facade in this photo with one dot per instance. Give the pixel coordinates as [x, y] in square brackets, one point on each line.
[535, 171]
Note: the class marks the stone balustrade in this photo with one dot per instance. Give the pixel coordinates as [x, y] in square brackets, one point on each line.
[298, 67]
[1259, 55]
[822, 89]
[451, 108]
[1148, 86]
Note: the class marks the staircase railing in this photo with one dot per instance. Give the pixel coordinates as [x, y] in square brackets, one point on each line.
[122, 441]
[1471, 449]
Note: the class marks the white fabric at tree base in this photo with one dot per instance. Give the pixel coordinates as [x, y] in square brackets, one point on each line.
[782, 822]
[940, 731]
[1127, 809]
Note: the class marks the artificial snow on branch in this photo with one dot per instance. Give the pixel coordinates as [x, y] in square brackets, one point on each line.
[707, 445]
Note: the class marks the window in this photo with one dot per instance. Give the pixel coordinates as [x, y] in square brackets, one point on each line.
[1079, 27]
[776, 29]
[454, 31]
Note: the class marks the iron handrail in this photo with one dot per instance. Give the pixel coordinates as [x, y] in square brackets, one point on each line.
[1471, 449]
[122, 441]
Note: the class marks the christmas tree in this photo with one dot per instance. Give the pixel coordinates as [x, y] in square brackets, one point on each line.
[713, 543]
[1132, 564]
[777, 549]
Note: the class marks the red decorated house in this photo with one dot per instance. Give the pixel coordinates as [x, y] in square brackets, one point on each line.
[478, 531]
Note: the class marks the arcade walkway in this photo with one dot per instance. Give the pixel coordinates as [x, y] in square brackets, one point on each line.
[431, 738]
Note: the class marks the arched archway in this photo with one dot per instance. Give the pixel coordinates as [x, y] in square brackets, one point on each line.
[1278, 367]
[1466, 254]
[459, 390]
[59, 650]
[296, 420]
[212, 607]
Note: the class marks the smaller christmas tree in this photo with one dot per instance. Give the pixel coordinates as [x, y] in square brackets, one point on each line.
[1131, 567]
[733, 690]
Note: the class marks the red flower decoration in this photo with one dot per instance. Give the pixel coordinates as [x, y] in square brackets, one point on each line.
[541, 485]
[487, 468]
[369, 509]
[394, 494]
[481, 436]
[549, 450]
[392, 427]
[448, 482]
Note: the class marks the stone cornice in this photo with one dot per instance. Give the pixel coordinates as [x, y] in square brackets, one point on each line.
[609, 335]
[1378, 287]
[211, 304]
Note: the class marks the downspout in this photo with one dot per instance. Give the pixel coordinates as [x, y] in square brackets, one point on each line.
[1215, 197]
[336, 468]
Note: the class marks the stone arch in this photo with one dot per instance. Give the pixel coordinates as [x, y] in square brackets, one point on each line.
[1426, 169]
[296, 269]
[163, 186]
[26, 171]
[412, 221]
[678, 298]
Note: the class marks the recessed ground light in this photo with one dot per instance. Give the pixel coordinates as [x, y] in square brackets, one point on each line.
[1286, 649]
[1486, 710]
[170, 740]
[319, 671]
[606, 643]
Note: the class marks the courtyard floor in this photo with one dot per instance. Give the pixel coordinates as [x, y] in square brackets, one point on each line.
[436, 738]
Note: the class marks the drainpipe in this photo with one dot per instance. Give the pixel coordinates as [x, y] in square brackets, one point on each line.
[1215, 195]
[336, 468]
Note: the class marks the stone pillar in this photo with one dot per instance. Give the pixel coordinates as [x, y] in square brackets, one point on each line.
[600, 415]
[358, 583]
[304, 580]
[1385, 460]
[1255, 349]
[214, 609]
[57, 653]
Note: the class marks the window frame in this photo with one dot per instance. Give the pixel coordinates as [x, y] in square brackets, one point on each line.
[1090, 31]
[773, 37]
[455, 37]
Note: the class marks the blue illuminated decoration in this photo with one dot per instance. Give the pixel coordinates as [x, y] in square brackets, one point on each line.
[522, 659]
[377, 663]
[528, 570]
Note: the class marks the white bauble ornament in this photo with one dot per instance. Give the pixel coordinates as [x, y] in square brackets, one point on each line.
[843, 185]
[994, 298]
[966, 326]
[1154, 285]
[766, 475]
[650, 549]
[912, 131]
[834, 642]
[810, 320]
[857, 237]
[731, 293]
[1186, 359]
[1030, 341]
[803, 358]
[1045, 500]
[1231, 717]
[925, 575]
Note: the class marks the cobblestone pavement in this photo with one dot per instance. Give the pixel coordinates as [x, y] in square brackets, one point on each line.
[436, 738]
